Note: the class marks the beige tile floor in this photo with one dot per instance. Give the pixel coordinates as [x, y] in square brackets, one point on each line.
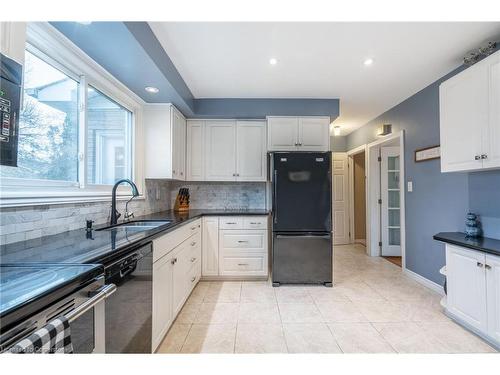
[373, 308]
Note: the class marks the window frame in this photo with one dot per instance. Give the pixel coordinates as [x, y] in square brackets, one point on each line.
[45, 42]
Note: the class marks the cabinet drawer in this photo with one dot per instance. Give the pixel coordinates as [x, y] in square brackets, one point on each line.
[230, 222]
[239, 266]
[166, 243]
[193, 253]
[248, 240]
[255, 222]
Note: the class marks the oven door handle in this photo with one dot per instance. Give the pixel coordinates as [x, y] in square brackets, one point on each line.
[103, 293]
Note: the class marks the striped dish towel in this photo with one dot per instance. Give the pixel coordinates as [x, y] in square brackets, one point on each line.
[55, 337]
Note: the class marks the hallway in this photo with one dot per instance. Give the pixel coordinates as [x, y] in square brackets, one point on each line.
[373, 308]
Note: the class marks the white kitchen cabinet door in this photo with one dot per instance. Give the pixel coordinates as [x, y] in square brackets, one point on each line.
[491, 137]
[220, 150]
[195, 166]
[466, 282]
[162, 299]
[179, 277]
[179, 145]
[210, 246]
[493, 296]
[314, 134]
[463, 108]
[251, 151]
[282, 133]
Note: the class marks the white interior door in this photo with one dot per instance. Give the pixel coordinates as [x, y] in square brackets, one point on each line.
[390, 194]
[340, 199]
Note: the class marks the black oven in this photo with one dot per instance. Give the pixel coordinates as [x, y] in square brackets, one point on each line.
[10, 99]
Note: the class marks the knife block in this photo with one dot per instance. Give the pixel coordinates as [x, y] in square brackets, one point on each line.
[181, 204]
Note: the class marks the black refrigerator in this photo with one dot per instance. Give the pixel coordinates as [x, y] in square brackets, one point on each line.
[302, 218]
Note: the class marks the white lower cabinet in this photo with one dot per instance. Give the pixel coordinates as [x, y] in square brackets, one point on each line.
[210, 246]
[162, 298]
[235, 246]
[176, 271]
[473, 285]
[493, 295]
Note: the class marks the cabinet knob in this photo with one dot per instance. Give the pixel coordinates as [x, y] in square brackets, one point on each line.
[193, 279]
[484, 156]
[300, 144]
[477, 157]
[193, 260]
[479, 264]
[193, 243]
[182, 173]
[173, 261]
[487, 266]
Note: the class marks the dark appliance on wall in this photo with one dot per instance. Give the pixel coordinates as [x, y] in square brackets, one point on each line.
[10, 99]
[129, 310]
[302, 218]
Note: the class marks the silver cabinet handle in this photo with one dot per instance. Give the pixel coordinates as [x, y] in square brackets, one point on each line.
[193, 279]
[479, 264]
[254, 223]
[193, 228]
[477, 157]
[242, 264]
[192, 260]
[487, 266]
[231, 223]
[484, 156]
[242, 241]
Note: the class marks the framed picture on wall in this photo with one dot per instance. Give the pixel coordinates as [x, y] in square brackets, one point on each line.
[428, 153]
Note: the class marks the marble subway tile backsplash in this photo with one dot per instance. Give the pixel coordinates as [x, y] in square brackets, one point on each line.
[222, 195]
[25, 223]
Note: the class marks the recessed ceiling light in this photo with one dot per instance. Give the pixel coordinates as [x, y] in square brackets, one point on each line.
[273, 61]
[368, 62]
[336, 131]
[152, 90]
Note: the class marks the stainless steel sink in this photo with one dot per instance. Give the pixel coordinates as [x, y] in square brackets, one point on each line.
[138, 225]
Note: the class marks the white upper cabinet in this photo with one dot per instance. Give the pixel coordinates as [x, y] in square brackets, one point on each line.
[165, 142]
[195, 166]
[469, 105]
[298, 133]
[13, 40]
[220, 150]
[226, 150]
[251, 151]
[314, 133]
[282, 133]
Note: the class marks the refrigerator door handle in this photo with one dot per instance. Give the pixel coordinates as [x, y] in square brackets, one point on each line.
[275, 200]
[303, 236]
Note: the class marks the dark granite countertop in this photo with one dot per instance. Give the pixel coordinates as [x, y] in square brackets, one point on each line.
[77, 247]
[484, 244]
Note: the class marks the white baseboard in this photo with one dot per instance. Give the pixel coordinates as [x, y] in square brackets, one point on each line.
[425, 282]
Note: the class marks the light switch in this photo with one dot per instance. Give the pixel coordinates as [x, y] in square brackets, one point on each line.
[410, 186]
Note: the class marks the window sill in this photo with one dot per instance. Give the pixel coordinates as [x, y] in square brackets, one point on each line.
[57, 199]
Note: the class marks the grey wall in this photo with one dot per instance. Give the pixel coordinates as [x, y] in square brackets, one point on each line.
[484, 199]
[439, 201]
[339, 144]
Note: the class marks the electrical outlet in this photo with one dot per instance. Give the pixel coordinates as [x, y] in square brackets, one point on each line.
[410, 186]
[158, 195]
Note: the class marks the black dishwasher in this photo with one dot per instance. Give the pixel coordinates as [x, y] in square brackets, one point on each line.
[129, 309]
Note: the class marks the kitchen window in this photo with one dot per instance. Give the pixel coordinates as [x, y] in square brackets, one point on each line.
[78, 127]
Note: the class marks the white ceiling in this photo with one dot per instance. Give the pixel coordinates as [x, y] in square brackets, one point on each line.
[319, 60]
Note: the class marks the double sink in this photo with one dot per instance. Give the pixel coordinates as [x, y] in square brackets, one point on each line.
[137, 226]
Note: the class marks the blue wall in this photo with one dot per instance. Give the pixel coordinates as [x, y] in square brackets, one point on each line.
[439, 201]
[484, 199]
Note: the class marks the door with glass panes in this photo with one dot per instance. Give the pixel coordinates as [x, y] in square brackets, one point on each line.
[390, 194]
